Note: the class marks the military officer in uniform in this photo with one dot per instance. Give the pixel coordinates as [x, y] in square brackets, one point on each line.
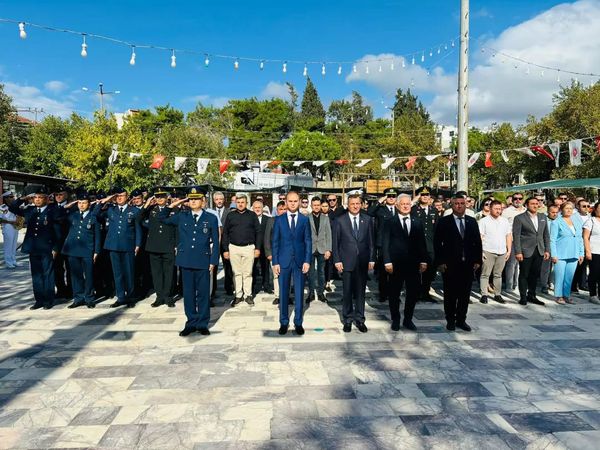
[123, 241]
[143, 277]
[62, 271]
[197, 258]
[42, 243]
[82, 247]
[160, 247]
[104, 282]
[429, 216]
[384, 209]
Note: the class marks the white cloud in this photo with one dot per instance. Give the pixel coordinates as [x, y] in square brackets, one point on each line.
[500, 89]
[275, 90]
[33, 97]
[205, 99]
[55, 86]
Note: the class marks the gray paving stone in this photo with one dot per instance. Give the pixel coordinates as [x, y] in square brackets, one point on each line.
[547, 422]
[95, 416]
[454, 390]
[557, 328]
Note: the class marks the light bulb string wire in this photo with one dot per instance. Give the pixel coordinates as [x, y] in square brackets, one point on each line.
[114, 40]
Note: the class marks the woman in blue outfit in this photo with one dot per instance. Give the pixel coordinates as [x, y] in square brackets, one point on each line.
[566, 248]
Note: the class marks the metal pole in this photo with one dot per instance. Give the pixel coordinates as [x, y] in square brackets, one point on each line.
[101, 99]
[463, 99]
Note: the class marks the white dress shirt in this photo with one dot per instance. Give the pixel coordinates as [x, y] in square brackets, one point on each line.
[534, 219]
[352, 216]
[401, 219]
[493, 234]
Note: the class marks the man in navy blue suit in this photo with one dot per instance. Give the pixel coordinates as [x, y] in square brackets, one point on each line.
[197, 256]
[291, 244]
[353, 257]
[42, 243]
[82, 246]
[123, 241]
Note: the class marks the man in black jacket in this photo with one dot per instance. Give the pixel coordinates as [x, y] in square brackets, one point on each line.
[160, 245]
[405, 258]
[458, 254]
[260, 272]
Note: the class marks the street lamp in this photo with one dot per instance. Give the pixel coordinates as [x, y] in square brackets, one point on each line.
[102, 93]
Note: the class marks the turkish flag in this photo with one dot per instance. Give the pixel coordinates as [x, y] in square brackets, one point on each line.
[411, 162]
[597, 142]
[275, 163]
[157, 161]
[341, 162]
[223, 165]
[539, 149]
[488, 159]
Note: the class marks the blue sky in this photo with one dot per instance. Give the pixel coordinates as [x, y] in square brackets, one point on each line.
[46, 69]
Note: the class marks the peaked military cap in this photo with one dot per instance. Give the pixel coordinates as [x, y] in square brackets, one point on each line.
[196, 192]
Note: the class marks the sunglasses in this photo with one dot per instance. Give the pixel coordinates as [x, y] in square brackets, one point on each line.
[332, 199]
[563, 197]
[517, 198]
[585, 206]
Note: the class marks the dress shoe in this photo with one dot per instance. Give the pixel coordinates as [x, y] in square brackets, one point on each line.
[48, 306]
[117, 304]
[91, 305]
[409, 325]
[595, 300]
[395, 326]
[382, 299]
[276, 301]
[428, 298]
[157, 303]
[250, 300]
[131, 305]
[299, 330]
[483, 299]
[464, 326]
[347, 327]
[211, 303]
[171, 304]
[523, 302]
[268, 291]
[499, 299]
[470, 302]
[236, 301]
[186, 331]
[283, 329]
[536, 301]
[362, 327]
[36, 306]
[322, 298]
[450, 326]
[308, 299]
[204, 331]
[74, 305]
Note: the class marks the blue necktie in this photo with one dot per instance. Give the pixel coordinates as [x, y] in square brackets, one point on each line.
[355, 228]
[293, 228]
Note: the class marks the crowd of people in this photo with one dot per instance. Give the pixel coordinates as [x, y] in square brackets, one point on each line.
[128, 245]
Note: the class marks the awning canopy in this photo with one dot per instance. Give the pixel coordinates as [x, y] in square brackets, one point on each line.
[553, 184]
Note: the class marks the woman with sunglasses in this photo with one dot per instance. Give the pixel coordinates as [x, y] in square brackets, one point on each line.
[591, 242]
[485, 209]
[566, 248]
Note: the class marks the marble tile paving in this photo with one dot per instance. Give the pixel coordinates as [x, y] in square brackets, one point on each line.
[526, 377]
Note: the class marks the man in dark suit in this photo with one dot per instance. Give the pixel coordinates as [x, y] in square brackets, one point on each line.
[262, 267]
[353, 256]
[381, 211]
[41, 243]
[62, 271]
[161, 241]
[405, 258]
[531, 240]
[292, 250]
[458, 254]
[222, 210]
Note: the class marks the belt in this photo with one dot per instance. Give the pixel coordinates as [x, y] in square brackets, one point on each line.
[242, 245]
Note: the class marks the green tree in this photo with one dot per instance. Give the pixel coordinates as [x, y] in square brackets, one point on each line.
[13, 134]
[308, 146]
[312, 113]
[407, 103]
[44, 152]
[351, 113]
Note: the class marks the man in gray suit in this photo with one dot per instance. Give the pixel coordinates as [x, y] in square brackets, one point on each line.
[321, 245]
[532, 246]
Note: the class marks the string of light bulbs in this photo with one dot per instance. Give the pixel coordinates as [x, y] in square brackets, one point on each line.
[392, 61]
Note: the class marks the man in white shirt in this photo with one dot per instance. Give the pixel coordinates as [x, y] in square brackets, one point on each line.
[512, 266]
[580, 278]
[9, 232]
[496, 238]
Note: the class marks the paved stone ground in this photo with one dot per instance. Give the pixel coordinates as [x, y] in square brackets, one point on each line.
[524, 378]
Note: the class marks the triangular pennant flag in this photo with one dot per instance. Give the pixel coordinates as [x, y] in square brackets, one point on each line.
[341, 162]
[363, 162]
[275, 163]
[504, 155]
[202, 165]
[157, 161]
[263, 164]
[597, 142]
[431, 157]
[555, 149]
[411, 162]
[298, 163]
[387, 163]
[472, 160]
[542, 151]
[488, 160]
[525, 150]
[223, 165]
[319, 163]
[575, 152]
[113, 154]
[134, 155]
[237, 162]
[179, 162]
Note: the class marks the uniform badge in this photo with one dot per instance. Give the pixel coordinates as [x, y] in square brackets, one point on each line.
[89, 226]
[205, 229]
[45, 222]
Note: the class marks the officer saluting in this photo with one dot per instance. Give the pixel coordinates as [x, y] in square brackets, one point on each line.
[82, 246]
[197, 230]
[123, 240]
[160, 247]
[42, 243]
[429, 216]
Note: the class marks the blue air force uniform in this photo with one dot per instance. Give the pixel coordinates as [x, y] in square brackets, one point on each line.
[123, 236]
[82, 243]
[196, 232]
[41, 239]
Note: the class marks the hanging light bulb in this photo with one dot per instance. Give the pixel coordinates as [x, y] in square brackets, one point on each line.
[340, 69]
[542, 73]
[132, 60]
[558, 77]
[392, 65]
[379, 70]
[173, 59]
[262, 65]
[22, 32]
[413, 60]
[323, 69]
[527, 71]
[206, 61]
[412, 82]
[439, 50]
[84, 48]
[367, 70]
[403, 63]
[284, 68]
[305, 71]
[430, 53]
[423, 57]
[354, 68]
[452, 42]
[445, 46]
[236, 64]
